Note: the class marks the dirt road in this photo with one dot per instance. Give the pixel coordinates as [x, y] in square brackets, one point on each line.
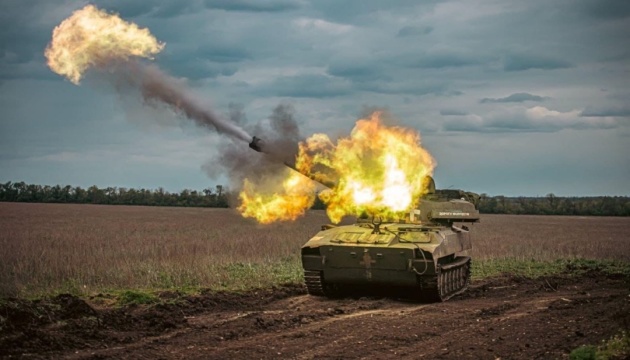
[507, 317]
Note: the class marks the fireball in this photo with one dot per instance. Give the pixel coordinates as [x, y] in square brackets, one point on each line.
[268, 204]
[377, 169]
[94, 38]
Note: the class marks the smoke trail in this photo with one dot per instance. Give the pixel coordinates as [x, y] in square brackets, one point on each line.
[94, 39]
[155, 85]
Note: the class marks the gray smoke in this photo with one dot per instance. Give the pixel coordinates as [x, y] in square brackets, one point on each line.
[280, 132]
[156, 86]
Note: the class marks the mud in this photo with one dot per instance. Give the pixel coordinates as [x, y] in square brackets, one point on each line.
[503, 317]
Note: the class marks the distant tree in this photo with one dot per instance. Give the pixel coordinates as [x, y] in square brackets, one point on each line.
[79, 195]
[8, 192]
[221, 198]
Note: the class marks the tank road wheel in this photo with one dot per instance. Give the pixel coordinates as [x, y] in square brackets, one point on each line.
[452, 279]
[315, 285]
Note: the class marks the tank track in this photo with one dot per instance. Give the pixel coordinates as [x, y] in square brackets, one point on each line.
[314, 282]
[452, 279]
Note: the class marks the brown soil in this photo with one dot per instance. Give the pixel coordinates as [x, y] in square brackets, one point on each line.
[506, 317]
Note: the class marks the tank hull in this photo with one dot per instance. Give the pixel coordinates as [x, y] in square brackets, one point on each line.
[423, 262]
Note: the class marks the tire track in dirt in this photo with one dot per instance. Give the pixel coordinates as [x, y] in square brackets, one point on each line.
[507, 317]
[211, 326]
[304, 331]
[380, 317]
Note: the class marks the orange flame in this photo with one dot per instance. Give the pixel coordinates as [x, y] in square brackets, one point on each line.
[377, 170]
[93, 38]
[297, 193]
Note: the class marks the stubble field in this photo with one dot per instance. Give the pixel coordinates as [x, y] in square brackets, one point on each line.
[173, 283]
[82, 249]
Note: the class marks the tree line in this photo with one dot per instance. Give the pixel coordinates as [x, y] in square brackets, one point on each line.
[556, 205]
[22, 192]
[218, 197]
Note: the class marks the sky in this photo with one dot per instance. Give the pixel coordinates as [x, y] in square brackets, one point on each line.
[511, 98]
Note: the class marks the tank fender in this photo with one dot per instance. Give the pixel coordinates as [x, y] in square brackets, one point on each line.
[451, 242]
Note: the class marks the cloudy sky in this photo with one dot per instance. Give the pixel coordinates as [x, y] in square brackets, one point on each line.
[513, 98]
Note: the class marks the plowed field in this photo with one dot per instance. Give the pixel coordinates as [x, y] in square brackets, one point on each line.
[501, 317]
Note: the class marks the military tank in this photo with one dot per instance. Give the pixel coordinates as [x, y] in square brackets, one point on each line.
[421, 255]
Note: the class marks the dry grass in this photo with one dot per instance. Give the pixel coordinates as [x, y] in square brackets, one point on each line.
[544, 238]
[48, 248]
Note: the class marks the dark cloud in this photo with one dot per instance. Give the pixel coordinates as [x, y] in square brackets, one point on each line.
[452, 112]
[128, 9]
[173, 8]
[151, 8]
[222, 53]
[602, 112]
[536, 119]
[28, 70]
[607, 9]
[516, 97]
[201, 63]
[358, 72]
[197, 69]
[407, 88]
[307, 86]
[444, 60]
[407, 31]
[254, 5]
[23, 35]
[352, 11]
[621, 56]
[467, 125]
[520, 62]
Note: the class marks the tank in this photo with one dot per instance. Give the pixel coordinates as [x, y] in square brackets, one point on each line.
[421, 256]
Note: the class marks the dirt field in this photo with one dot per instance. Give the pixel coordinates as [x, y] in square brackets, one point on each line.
[506, 317]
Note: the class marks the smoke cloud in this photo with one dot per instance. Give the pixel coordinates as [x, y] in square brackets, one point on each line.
[281, 135]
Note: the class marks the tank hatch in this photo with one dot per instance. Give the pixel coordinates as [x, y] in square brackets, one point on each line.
[362, 237]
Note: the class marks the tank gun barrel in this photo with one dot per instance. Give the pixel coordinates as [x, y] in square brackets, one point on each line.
[258, 145]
